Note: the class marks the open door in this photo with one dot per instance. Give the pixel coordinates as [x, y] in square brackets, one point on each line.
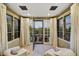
[38, 31]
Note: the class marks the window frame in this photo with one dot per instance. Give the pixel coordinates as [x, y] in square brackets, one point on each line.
[64, 27]
[46, 30]
[13, 28]
[59, 30]
[18, 31]
[7, 28]
[66, 32]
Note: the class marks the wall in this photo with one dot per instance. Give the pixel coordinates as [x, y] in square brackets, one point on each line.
[14, 42]
[61, 42]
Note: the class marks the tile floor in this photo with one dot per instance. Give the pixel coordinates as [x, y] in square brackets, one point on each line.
[40, 49]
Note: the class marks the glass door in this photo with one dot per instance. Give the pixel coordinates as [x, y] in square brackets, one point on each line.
[38, 31]
[46, 31]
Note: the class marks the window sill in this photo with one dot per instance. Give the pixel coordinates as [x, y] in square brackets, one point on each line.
[13, 40]
[64, 40]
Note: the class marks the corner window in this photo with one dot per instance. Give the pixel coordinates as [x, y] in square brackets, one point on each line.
[13, 27]
[64, 27]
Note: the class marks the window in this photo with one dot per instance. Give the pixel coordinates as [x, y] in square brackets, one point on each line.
[16, 28]
[39, 27]
[47, 30]
[13, 27]
[10, 27]
[64, 27]
[38, 30]
[67, 27]
[31, 30]
[60, 27]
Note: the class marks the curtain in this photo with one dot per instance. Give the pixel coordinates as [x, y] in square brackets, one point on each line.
[53, 32]
[26, 31]
[74, 43]
[3, 29]
[22, 42]
[24, 36]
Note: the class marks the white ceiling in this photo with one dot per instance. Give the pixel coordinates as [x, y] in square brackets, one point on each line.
[38, 9]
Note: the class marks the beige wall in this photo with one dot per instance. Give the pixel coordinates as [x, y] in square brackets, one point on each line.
[14, 42]
[63, 43]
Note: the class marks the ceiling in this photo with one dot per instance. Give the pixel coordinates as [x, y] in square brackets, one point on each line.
[38, 9]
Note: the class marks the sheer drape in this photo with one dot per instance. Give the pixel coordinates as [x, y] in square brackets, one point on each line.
[3, 29]
[53, 32]
[75, 28]
[24, 36]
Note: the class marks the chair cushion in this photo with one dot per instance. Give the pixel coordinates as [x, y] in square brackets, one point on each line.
[50, 52]
[59, 52]
[65, 52]
[13, 52]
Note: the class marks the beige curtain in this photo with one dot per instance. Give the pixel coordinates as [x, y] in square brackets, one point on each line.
[24, 36]
[53, 32]
[75, 28]
[3, 29]
[26, 31]
[22, 41]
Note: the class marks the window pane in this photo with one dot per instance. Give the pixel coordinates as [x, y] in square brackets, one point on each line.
[67, 36]
[67, 27]
[68, 19]
[61, 24]
[38, 27]
[31, 37]
[67, 23]
[47, 30]
[16, 25]
[9, 23]
[38, 31]
[16, 35]
[9, 19]
[10, 37]
[46, 38]
[57, 28]
[46, 23]
[17, 28]
[19, 34]
[60, 34]
[31, 27]
[9, 27]
[60, 28]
